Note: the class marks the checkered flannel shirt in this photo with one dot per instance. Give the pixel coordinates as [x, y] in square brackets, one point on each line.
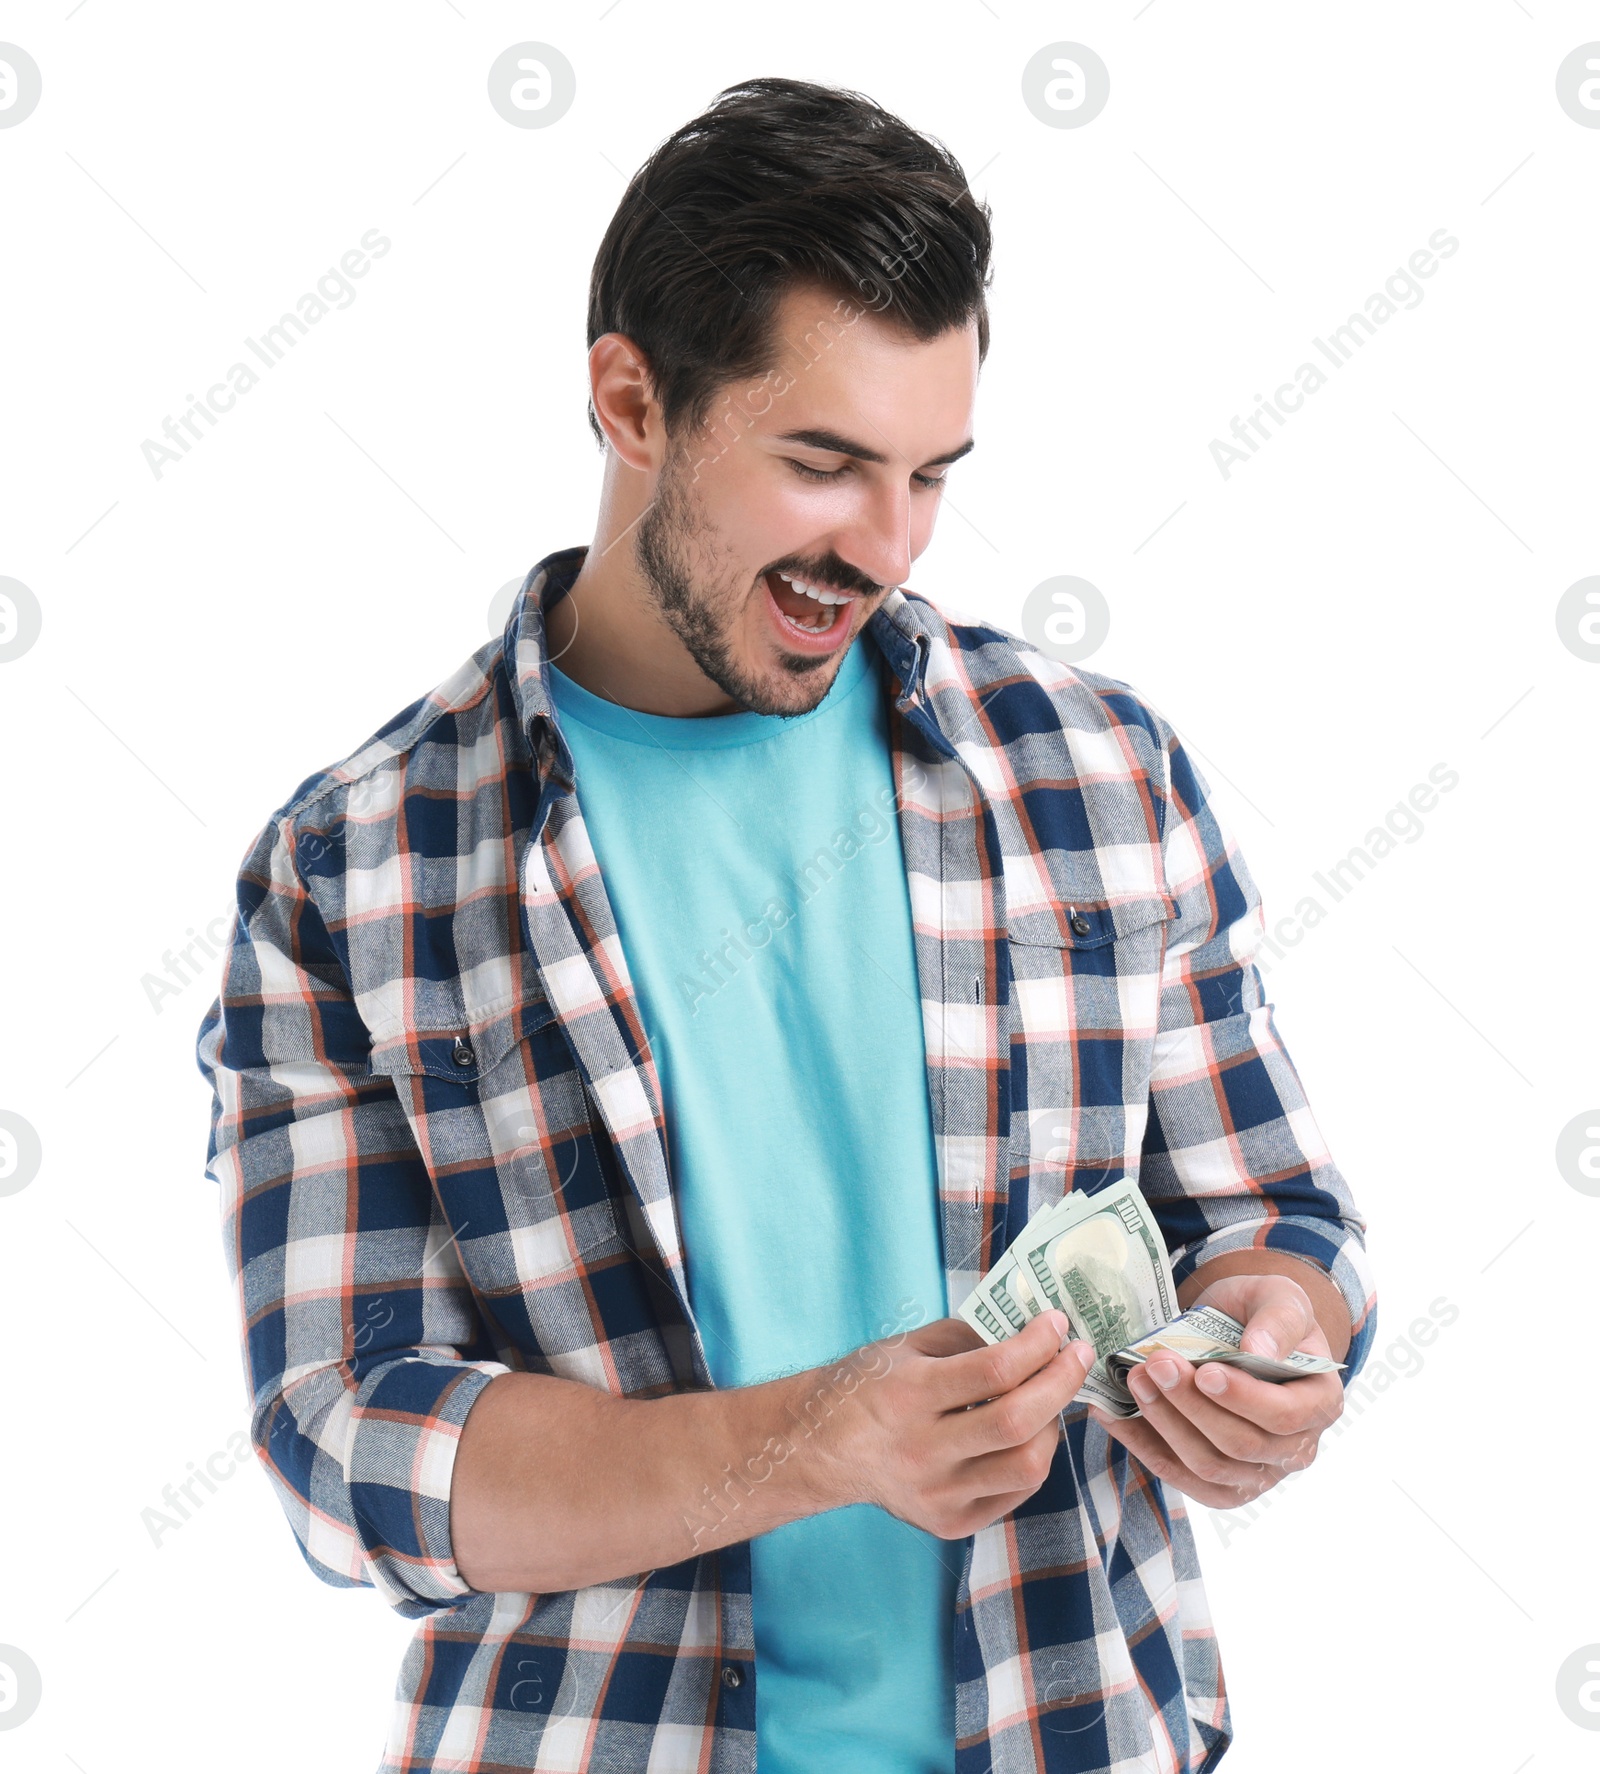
[439, 1141]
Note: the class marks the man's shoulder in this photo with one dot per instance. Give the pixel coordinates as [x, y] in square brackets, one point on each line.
[1024, 693]
[397, 854]
[451, 717]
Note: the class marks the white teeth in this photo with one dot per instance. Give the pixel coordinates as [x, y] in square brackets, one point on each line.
[815, 591]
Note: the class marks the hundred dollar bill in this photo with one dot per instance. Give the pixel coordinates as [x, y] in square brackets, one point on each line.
[1101, 1259]
[1009, 1294]
[1004, 1300]
[1204, 1334]
[1098, 1258]
[995, 1320]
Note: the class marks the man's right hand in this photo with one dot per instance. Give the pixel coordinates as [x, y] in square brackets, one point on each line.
[557, 1484]
[950, 1433]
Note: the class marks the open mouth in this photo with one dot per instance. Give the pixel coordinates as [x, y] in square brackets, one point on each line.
[809, 614]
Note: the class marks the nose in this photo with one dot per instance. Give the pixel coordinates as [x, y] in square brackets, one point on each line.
[877, 543]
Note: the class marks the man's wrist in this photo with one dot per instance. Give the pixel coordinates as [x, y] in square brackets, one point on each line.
[1333, 1315]
[821, 1411]
[800, 1426]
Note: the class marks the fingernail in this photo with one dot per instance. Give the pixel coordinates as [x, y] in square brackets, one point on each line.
[1139, 1385]
[1211, 1379]
[1085, 1352]
[1165, 1374]
[1060, 1324]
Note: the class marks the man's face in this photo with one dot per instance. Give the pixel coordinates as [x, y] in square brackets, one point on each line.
[780, 525]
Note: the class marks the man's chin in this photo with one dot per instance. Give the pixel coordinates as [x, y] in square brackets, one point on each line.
[792, 683]
[762, 675]
[794, 698]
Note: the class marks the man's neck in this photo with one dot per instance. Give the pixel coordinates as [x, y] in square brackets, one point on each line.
[608, 634]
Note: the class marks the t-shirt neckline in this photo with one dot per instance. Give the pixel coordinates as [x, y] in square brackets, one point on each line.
[702, 732]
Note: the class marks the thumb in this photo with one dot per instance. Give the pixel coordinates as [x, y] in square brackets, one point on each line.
[1279, 1318]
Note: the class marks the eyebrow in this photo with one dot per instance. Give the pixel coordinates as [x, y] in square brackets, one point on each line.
[844, 446]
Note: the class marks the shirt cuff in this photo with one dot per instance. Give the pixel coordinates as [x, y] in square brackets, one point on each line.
[405, 1429]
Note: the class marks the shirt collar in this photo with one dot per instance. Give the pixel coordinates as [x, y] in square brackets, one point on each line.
[897, 629]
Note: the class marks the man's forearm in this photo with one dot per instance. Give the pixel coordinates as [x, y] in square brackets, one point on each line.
[1326, 1300]
[558, 1485]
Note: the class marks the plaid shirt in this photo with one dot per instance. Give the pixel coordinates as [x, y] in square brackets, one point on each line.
[439, 1139]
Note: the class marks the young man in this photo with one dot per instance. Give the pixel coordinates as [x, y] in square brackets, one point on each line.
[629, 1056]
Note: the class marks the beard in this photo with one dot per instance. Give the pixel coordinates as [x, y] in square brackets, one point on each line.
[674, 546]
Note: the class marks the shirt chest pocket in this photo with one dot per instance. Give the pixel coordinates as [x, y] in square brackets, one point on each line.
[1085, 998]
[500, 1115]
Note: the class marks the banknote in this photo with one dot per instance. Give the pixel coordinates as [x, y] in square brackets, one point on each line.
[1104, 1263]
[1204, 1333]
[1100, 1258]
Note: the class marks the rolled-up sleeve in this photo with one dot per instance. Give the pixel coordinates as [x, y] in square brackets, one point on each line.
[363, 1346]
[1232, 1156]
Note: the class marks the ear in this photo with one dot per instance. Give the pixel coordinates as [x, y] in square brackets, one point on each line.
[624, 399]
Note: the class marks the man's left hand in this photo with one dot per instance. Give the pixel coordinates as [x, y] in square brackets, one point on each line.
[1219, 1434]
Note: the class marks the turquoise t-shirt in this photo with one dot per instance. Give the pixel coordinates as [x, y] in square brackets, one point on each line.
[755, 869]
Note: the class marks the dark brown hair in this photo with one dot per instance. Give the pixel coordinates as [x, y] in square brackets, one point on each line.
[778, 183]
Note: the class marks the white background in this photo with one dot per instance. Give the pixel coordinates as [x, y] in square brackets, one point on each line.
[1372, 594]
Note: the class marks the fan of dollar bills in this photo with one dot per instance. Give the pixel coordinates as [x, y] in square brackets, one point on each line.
[1101, 1259]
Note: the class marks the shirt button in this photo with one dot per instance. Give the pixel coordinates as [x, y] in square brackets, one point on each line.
[731, 1678]
[463, 1054]
[1080, 924]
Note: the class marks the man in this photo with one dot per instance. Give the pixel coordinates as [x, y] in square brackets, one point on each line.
[629, 1056]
